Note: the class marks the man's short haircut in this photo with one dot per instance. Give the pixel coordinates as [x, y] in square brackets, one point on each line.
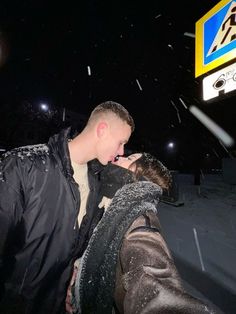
[115, 108]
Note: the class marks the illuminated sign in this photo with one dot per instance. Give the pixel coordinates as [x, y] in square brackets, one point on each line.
[220, 82]
[216, 37]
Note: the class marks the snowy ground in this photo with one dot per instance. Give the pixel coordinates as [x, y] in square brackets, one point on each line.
[202, 236]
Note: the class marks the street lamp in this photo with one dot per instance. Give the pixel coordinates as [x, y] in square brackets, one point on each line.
[170, 145]
[44, 107]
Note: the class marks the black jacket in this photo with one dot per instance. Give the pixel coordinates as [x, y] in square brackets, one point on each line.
[39, 236]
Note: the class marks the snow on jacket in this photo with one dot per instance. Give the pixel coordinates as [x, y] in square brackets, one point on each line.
[39, 236]
[127, 267]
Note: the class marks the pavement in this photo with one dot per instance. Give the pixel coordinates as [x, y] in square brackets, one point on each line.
[200, 229]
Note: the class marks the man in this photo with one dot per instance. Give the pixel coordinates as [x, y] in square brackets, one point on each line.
[45, 216]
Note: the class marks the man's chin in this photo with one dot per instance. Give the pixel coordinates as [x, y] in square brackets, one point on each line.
[104, 163]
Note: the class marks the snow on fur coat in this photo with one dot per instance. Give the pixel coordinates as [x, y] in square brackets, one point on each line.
[127, 267]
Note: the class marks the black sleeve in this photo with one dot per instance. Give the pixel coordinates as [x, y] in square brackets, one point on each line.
[10, 211]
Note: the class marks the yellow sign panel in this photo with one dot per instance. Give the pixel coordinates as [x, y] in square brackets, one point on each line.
[215, 37]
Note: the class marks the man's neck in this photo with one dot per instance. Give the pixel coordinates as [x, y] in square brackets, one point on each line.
[81, 149]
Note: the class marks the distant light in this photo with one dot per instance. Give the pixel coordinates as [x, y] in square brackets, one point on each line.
[170, 145]
[44, 107]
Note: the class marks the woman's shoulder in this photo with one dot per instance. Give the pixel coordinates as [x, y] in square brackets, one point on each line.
[140, 191]
[147, 222]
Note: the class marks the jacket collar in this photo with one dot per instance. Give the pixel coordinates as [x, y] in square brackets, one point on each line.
[113, 177]
[58, 143]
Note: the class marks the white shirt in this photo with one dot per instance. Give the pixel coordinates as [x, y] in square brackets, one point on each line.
[81, 177]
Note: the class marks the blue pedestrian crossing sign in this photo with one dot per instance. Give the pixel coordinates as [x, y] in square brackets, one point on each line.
[215, 37]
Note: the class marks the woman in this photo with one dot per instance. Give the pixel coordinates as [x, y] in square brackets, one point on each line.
[127, 267]
[147, 166]
[142, 166]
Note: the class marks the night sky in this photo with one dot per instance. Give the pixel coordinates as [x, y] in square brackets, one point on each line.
[75, 55]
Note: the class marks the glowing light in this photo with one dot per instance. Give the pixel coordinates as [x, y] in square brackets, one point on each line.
[170, 145]
[44, 107]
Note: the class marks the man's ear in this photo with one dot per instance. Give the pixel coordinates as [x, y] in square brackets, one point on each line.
[101, 129]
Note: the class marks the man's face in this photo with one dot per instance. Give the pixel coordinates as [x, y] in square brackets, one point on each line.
[113, 140]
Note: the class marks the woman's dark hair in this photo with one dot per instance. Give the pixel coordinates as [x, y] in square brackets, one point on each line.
[153, 170]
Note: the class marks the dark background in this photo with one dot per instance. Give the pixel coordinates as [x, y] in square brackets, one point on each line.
[47, 46]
